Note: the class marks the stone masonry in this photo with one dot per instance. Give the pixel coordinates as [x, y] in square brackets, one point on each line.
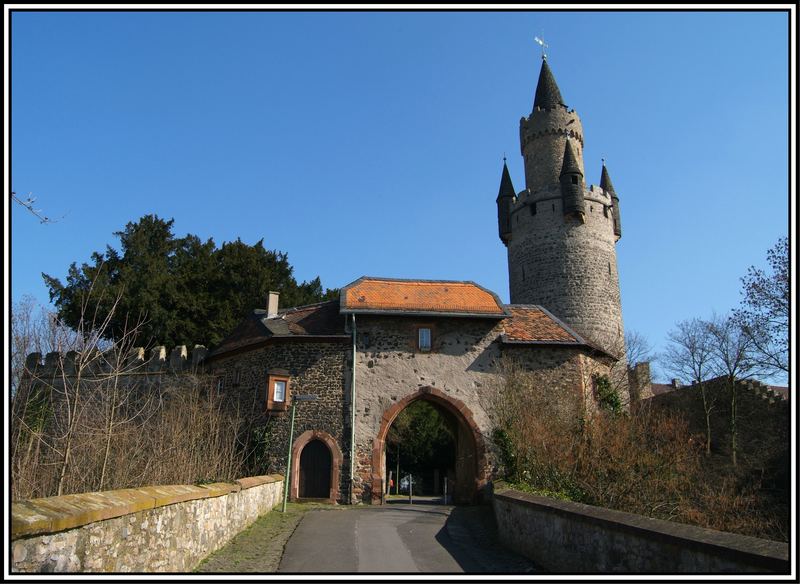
[152, 529]
[464, 364]
[319, 368]
[561, 260]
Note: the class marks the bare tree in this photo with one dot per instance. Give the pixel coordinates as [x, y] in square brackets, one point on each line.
[689, 357]
[765, 310]
[731, 359]
[81, 372]
[637, 348]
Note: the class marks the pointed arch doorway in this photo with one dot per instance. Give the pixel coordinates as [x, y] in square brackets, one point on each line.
[317, 464]
[470, 450]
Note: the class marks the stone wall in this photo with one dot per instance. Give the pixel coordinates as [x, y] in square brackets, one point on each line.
[319, 368]
[151, 529]
[542, 136]
[566, 537]
[567, 266]
[461, 372]
[389, 368]
[565, 371]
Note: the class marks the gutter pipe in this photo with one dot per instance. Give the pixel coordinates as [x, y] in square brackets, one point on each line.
[353, 415]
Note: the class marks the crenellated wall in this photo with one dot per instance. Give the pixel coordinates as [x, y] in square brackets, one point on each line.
[150, 529]
[133, 362]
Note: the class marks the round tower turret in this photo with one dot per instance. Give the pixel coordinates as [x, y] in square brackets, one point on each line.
[542, 134]
[561, 235]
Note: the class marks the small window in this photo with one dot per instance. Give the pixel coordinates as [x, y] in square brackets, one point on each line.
[220, 384]
[424, 339]
[574, 180]
[605, 210]
[533, 208]
[277, 391]
[237, 376]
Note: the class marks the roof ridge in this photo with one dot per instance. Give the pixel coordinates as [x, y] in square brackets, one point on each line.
[415, 280]
[305, 306]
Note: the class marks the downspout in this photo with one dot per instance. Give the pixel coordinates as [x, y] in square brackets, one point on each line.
[353, 415]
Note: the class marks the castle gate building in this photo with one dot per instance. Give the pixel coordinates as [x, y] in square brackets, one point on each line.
[388, 344]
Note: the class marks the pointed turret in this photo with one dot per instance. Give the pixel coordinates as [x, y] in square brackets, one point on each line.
[547, 94]
[505, 196]
[570, 164]
[608, 188]
[571, 179]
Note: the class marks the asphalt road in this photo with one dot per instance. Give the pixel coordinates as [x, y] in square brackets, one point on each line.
[399, 538]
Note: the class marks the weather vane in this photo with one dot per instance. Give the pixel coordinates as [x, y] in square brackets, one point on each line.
[544, 45]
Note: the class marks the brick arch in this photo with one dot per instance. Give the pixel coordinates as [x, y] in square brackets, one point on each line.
[465, 420]
[336, 462]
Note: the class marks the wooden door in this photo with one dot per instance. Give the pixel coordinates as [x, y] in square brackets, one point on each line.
[315, 471]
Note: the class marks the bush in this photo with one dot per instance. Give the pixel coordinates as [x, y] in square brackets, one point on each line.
[647, 462]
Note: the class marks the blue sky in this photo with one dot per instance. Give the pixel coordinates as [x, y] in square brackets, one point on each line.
[372, 143]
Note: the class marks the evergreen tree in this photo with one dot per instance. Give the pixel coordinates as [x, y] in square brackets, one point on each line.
[189, 291]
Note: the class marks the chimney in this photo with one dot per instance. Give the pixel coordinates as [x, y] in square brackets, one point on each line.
[676, 383]
[272, 304]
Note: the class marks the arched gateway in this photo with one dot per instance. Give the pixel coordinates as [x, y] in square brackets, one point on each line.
[470, 448]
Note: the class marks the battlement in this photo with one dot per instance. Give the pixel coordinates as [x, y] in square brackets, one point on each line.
[763, 391]
[99, 363]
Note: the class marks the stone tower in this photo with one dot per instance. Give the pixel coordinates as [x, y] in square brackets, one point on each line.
[561, 234]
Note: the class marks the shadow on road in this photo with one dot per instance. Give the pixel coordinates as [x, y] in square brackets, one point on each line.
[470, 537]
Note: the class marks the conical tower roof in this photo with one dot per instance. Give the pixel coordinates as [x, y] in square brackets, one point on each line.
[605, 183]
[570, 164]
[547, 94]
[506, 186]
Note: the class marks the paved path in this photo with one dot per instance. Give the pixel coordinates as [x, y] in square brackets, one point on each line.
[399, 538]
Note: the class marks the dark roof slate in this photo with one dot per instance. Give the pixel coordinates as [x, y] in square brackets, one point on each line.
[570, 164]
[548, 95]
[315, 320]
[605, 183]
[506, 186]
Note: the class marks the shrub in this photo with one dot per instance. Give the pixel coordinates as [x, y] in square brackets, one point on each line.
[648, 462]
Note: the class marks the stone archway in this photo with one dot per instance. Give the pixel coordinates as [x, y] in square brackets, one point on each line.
[336, 462]
[471, 450]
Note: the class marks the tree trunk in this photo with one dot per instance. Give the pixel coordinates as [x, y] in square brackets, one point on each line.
[707, 411]
[732, 385]
[109, 431]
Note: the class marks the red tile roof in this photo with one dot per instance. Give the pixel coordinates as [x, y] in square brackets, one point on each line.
[530, 324]
[381, 295]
